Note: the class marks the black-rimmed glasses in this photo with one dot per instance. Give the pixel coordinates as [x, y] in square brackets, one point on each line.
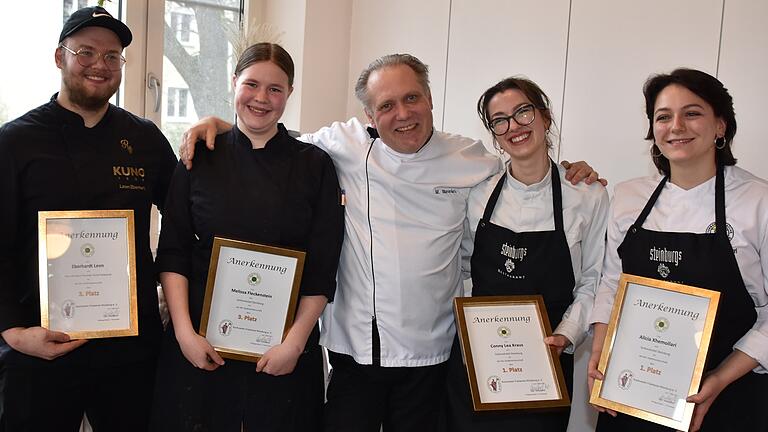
[88, 57]
[523, 116]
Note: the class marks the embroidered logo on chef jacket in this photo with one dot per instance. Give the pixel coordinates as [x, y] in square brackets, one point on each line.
[712, 228]
[125, 145]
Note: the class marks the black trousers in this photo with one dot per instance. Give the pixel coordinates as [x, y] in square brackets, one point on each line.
[54, 398]
[364, 398]
[234, 397]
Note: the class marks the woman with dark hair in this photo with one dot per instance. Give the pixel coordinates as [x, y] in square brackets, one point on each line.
[716, 215]
[259, 185]
[561, 227]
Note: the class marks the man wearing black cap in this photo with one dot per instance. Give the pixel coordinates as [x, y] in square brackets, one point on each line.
[77, 152]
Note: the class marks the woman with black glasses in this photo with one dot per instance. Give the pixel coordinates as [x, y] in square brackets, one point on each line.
[558, 229]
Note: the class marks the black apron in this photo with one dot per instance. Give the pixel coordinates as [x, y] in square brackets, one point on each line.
[708, 262]
[544, 269]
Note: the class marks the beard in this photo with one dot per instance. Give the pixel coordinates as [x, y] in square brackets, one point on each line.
[86, 98]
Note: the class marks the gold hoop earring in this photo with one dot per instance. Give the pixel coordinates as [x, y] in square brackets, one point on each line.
[720, 145]
[655, 155]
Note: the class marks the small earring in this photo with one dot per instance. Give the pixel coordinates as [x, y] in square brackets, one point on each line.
[498, 147]
[655, 155]
[721, 144]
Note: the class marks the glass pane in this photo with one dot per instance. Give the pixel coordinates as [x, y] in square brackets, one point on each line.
[36, 78]
[197, 63]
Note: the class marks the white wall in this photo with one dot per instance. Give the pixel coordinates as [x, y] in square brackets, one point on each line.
[399, 26]
[743, 69]
[613, 48]
[326, 63]
[511, 43]
[288, 16]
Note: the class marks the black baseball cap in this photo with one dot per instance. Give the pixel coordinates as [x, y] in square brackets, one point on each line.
[96, 16]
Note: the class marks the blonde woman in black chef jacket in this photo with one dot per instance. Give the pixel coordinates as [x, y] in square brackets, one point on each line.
[715, 216]
[259, 185]
[561, 227]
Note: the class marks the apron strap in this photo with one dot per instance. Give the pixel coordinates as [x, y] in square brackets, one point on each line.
[720, 226]
[649, 205]
[491, 204]
[557, 197]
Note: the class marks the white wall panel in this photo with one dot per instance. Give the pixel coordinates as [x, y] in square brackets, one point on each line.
[743, 69]
[494, 39]
[399, 26]
[614, 47]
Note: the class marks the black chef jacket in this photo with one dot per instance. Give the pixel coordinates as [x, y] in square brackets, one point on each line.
[285, 194]
[49, 160]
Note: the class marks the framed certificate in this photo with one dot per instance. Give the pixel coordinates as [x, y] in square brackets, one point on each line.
[508, 364]
[250, 297]
[87, 273]
[654, 351]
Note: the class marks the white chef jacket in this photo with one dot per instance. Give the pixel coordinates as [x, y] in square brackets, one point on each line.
[522, 208]
[693, 210]
[400, 259]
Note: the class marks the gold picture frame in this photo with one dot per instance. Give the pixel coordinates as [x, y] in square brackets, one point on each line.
[553, 382]
[239, 353]
[79, 279]
[655, 357]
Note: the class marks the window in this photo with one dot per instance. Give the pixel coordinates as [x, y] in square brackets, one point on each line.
[177, 102]
[181, 24]
[197, 63]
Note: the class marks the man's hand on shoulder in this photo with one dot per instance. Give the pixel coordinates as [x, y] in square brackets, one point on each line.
[578, 171]
[40, 342]
[205, 129]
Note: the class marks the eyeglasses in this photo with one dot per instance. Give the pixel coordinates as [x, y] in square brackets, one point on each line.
[88, 57]
[523, 116]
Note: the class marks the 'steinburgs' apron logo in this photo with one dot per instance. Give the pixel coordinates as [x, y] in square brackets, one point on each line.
[664, 256]
[712, 228]
[509, 265]
[512, 253]
[663, 270]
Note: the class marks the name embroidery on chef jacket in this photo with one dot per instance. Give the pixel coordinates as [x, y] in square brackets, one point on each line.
[664, 257]
[512, 254]
[441, 190]
[129, 177]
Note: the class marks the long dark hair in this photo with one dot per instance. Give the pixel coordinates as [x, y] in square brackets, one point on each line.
[704, 86]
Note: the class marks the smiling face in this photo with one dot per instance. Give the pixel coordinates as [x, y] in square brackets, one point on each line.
[685, 128]
[261, 93]
[520, 142]
[400, 108]
[88, 88]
